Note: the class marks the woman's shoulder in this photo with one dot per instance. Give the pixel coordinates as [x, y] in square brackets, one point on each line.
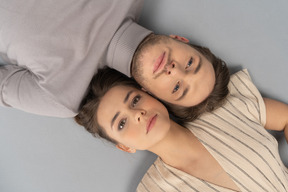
[241, 82]
[243, 92]
[242, 74]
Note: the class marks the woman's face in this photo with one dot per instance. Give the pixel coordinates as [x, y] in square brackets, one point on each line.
[132, 117]
[175, 72]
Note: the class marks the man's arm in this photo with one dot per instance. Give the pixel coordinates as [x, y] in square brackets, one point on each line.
[276, 116]
[56, 53]
[19, 88]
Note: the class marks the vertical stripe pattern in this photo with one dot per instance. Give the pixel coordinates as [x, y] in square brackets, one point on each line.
[235, 136]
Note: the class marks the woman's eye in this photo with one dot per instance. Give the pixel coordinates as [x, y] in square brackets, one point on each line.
[121, 124]
[135, 100]
[189, 63]
[177, 86]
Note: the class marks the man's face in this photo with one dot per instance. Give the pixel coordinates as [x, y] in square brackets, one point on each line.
[175, 72]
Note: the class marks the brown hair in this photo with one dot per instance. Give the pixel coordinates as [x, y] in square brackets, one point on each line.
[101, 83]
[213, 101]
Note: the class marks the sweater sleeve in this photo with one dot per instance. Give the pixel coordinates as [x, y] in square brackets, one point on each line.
[20, 89]
[55, 48]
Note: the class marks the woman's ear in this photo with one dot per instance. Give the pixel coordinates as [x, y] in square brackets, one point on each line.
[182, 39]
[143, 89]
[125, 148]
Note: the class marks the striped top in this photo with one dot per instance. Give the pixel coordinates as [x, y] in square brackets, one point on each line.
[235, 135]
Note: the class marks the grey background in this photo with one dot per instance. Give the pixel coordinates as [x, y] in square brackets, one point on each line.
[44, 154]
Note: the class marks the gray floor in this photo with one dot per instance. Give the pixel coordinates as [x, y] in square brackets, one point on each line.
[41, 154]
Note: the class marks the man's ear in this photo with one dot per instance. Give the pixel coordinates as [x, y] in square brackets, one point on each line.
[182, 39]
[125, 148]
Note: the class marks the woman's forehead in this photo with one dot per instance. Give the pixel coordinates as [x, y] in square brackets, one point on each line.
[110, 103]
[116, 98]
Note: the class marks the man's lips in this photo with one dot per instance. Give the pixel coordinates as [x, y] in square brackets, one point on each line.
[151, 123]
[159, 63]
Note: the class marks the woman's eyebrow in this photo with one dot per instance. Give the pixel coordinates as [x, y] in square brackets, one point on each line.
[114, 118]
[124, 101]
[127, 96]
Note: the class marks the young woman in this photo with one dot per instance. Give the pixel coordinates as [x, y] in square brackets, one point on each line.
[224, 150]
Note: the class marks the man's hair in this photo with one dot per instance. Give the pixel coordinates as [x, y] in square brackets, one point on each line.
[101, 83]
[212, 102]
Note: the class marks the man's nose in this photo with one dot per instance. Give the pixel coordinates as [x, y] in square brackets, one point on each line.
[173, 69]
[170, 68]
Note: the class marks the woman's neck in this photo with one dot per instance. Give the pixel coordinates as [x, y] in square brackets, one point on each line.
[179, 145]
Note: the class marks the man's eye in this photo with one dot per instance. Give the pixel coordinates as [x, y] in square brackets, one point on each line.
[177, 86]
[189, 63]
[121, 124]
[135, 100]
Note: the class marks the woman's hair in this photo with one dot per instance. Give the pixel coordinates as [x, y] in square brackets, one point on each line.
[101, 83]
[213, 101]
[216, 97]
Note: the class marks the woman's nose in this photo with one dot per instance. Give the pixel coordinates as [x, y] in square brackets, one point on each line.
[140, 114]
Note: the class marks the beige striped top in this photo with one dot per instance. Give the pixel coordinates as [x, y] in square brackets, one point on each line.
[235, 136]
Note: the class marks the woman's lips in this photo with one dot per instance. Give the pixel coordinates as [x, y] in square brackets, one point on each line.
[159, 63]
[151, 123]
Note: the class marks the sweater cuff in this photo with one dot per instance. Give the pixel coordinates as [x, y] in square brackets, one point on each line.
[123, 45]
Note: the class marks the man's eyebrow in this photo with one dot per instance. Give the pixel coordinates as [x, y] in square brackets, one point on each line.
[182, 96]
[114, 118]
